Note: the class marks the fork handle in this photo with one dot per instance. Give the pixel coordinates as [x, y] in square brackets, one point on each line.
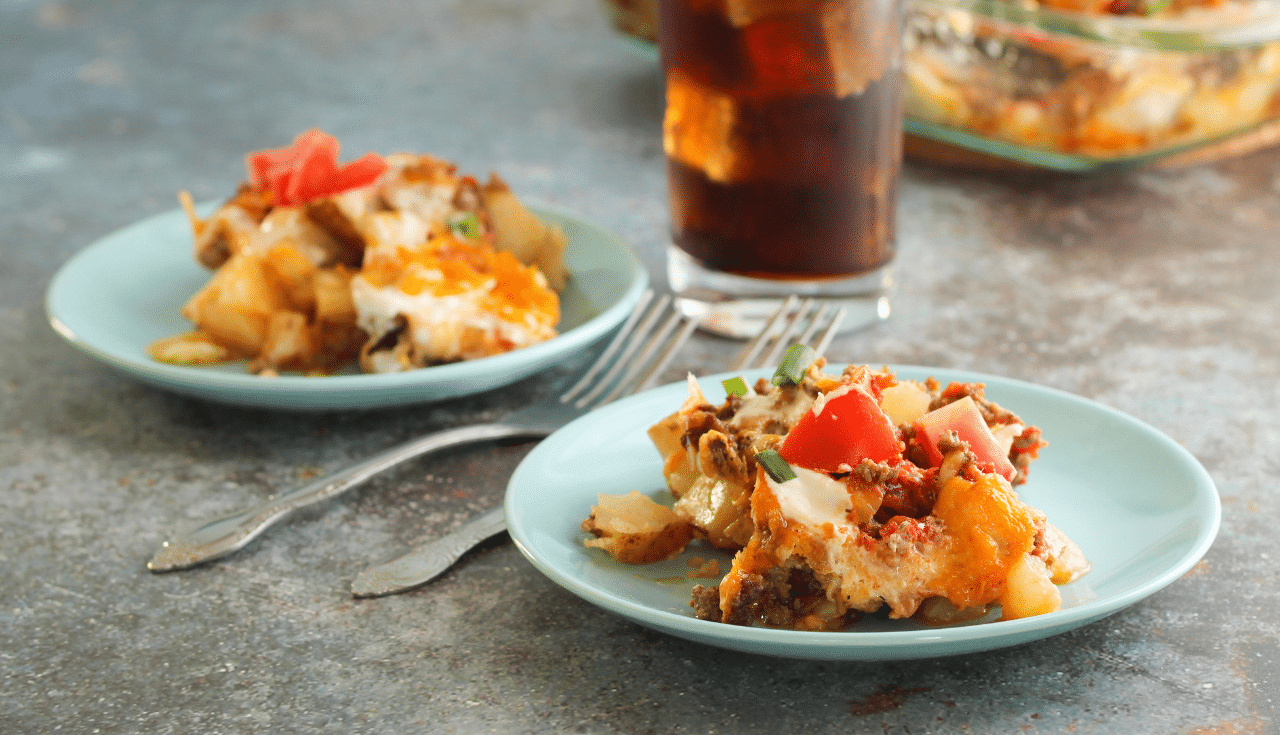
[428, 561]
[222, 536]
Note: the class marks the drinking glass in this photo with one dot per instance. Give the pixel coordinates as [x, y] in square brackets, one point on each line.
[783, 138]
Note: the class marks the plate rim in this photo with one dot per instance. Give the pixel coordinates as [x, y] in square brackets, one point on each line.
[888, 645]
[287, 391]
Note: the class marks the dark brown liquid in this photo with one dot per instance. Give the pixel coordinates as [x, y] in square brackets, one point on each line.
[772, 173]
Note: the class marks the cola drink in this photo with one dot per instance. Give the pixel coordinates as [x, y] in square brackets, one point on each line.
[783, 135]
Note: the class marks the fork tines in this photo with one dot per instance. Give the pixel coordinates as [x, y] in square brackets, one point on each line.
[658, 328]
[795, 322]
[636, 357]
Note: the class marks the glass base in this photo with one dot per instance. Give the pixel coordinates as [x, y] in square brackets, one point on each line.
[738, 306]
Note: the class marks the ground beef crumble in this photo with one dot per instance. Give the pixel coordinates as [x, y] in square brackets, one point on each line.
[706, 603]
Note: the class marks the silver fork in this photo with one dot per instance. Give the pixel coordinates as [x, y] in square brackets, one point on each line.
[633, 361]
[795, 321]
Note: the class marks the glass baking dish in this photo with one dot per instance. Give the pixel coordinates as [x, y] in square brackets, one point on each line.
[1080, 91]
[1010, 83]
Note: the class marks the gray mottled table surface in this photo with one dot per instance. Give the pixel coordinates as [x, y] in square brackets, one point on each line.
[1154, 292]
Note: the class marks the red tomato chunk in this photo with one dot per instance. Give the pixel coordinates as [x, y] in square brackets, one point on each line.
[850, 428]
[308, 169]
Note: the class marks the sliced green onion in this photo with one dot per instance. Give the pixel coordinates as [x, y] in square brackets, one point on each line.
[465, 225]
[794, 364]
[735, 386]
[776, 467]
[1157, 6]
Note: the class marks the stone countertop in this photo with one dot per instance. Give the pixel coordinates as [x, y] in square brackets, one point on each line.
[1154, 292]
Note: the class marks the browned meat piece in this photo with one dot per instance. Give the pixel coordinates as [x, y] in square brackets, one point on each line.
[909, 493]
[1026, 448]
[706, 603]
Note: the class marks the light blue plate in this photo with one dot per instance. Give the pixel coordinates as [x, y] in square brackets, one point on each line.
[126, 291]
[1141, 508]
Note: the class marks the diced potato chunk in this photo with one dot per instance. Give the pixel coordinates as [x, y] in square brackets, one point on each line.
[333, 296]
[905, 402]
[289, 342]
[1065, 560]
[236, 305]
[1028, 590]
[293, 273]
[720, 509]
[518, 231]
[633, 529]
